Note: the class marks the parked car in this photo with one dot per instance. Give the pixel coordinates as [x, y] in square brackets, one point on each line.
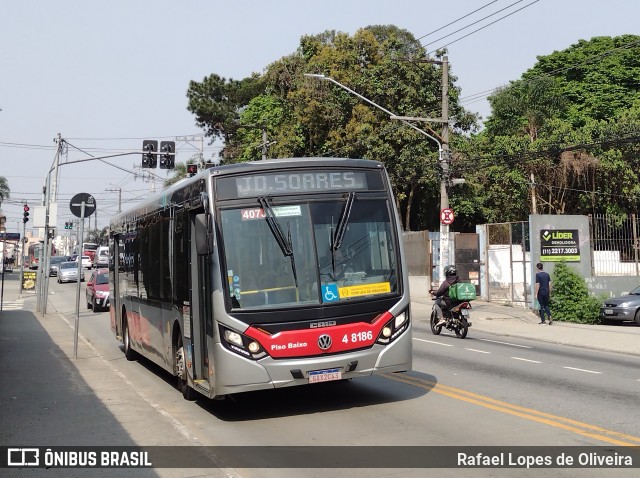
[68, 272]
[101, 258]
[626, 307]
[97, 291]
[54, 263]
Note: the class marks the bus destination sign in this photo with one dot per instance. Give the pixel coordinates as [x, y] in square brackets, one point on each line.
[300, 182]
[559, 245]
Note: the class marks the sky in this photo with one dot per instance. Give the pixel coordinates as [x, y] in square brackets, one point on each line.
[107, 75]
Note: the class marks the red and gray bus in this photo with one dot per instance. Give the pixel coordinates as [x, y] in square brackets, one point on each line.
[264, 274]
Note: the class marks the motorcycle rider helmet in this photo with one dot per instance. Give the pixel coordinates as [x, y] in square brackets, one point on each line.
[450, 271]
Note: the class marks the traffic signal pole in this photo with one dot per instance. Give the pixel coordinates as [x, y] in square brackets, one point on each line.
[42, 281]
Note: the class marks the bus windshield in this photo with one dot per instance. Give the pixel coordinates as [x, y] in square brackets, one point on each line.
[317, 253]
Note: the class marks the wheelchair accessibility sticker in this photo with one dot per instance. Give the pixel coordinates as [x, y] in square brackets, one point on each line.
[330, 292]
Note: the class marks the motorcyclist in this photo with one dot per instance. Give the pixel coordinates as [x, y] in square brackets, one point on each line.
[443, 301]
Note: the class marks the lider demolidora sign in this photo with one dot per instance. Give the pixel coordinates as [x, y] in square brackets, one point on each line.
[559, 245]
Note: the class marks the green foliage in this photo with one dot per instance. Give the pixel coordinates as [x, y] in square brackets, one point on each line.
[310, 117]
[570, 299]
[4, 190]
[571, 123]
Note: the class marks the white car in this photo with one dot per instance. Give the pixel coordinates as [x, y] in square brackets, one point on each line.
[86, 262]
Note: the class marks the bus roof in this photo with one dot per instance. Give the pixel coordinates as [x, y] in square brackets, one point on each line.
[162, 198]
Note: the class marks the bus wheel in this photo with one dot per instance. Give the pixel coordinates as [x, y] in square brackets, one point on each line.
[181, 372]
[129, 353]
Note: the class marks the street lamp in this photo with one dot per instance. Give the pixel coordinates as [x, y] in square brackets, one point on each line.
[444, 199]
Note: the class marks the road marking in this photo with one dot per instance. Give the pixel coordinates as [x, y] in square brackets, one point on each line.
[479, 351]
[432, 342]
[13, 304]
[581, 370]
[580, 428]
[526, 360]
[507, 343]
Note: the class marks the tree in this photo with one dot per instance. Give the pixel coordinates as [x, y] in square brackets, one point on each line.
[217, 102]
[4, 190]
[179, 172]
[571, 121]
[524, 107]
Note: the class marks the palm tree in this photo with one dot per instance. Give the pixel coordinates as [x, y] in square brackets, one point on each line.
[179, 172]
[4, 190]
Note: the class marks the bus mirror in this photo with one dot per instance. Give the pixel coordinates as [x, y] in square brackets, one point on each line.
[202, 247]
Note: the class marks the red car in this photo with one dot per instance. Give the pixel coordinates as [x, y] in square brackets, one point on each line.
[97, 291]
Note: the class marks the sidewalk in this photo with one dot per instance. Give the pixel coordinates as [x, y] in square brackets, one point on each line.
[519, 322]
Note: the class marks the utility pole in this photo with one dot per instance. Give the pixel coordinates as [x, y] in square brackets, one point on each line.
[119, 197]
[444, 181]
[534, 207]
[264, 142]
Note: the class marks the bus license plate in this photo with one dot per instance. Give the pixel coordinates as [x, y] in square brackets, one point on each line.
[319, 376]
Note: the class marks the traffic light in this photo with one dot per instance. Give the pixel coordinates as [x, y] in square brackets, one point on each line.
[167, 154]
[25, 216]
[192, 169]
[150, 148]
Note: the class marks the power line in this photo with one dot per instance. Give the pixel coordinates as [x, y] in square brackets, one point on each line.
[476, 22]
[455, 21]
[481, 28]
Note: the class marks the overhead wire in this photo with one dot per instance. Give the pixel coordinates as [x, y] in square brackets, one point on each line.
[456, 20]
[481, 28]
[476, 22]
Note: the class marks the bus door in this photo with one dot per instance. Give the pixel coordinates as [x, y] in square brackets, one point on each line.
[201, 307]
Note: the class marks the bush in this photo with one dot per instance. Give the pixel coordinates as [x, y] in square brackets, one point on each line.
[570, 299]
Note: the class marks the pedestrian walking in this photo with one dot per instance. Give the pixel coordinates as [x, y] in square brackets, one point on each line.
[543, 290]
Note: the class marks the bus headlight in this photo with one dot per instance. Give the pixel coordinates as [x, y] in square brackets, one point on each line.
[233, 337]
[393, 328]
[241, 344]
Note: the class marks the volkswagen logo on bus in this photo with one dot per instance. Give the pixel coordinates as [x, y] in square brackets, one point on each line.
[324, 342]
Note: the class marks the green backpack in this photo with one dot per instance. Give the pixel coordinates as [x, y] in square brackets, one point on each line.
[462, 291]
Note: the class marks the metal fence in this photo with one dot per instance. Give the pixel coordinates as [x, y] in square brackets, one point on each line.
[417, 252]
[615, 245]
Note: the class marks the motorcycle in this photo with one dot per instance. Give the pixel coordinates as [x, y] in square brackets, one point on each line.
[457, 319]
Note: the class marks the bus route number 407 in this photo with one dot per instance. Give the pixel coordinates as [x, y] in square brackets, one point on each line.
[319, 376]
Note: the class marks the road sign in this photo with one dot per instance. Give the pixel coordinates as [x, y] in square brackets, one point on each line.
[9, 236]
[76, 204]
[446, 216]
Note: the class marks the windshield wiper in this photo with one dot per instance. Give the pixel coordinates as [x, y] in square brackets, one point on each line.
[337, 235]
[285, 243]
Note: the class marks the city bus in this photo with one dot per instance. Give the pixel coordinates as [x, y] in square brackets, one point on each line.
[264, 275]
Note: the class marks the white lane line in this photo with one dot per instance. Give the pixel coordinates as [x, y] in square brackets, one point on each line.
[479, 351]
[581, 370]
[507, 343]
[526, 360]
[432, 342]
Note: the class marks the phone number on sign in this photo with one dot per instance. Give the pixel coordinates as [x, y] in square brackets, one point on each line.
[559, 250]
